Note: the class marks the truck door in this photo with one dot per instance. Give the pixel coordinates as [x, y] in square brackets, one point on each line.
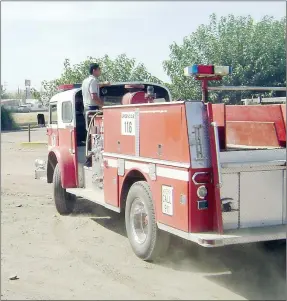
[66, 129]
[52, 128]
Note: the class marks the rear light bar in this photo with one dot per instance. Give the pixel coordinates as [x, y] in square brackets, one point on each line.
[69, 87]
[207, 70]
[201, 178]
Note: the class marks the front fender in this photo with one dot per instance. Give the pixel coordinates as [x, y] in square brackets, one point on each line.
[67, 166]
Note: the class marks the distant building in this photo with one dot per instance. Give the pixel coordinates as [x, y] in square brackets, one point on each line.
[11, 104]
[34, 103]
[17, 105]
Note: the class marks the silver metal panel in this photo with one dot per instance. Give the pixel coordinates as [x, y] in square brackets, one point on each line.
[121, 167]
[198, 134]
[245, 88]
[232, 147]
[261, 197]
[40, 169]
[81, 178]
[81, 154]
[264, 100]
[251, 168]
[230, 190]
[137, 132]
[183, 199]
[152, 171]
[88, 176]
[147, 160]
[284, 201]
[95, 196]
[40, 174]
[251, 156]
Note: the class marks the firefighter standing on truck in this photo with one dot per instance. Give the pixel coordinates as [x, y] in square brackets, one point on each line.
[91, 93]
[91, 89]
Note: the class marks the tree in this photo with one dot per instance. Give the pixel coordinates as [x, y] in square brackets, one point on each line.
[35, 94]
[4, 95]
[7, 121]
[121, 69]
[255, 50]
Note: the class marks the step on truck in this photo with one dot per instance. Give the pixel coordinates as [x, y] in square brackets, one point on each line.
[213, 174]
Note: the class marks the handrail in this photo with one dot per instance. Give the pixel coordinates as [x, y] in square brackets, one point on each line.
[86, 117]
[245, 88]
[265, 100]
[215, 129]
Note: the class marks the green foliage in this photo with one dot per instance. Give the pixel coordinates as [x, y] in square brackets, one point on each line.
[35, 94]
[120, 69]
[4, 95]
[7, 121]
[256, 51]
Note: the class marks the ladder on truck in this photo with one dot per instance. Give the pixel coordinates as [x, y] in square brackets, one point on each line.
[206, 73]
[252, 101]
[264, 100]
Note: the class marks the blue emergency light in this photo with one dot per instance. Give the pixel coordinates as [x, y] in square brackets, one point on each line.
[207, 70]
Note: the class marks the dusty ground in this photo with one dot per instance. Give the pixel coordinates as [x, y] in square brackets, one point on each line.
[87, 255]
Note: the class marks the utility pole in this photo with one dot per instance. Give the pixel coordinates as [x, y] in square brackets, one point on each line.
[27, 85]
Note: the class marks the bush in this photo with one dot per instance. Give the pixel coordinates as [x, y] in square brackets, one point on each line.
[7, 121]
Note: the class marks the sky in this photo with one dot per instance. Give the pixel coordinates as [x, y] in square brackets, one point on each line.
[36, 37]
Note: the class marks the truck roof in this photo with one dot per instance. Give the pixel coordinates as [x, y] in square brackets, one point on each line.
[69, 94]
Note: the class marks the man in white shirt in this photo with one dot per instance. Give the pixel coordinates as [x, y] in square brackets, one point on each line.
[91, 93]
[91, 89]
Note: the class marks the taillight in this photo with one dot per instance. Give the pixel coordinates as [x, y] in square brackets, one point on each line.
[201, 192]
[201, 178]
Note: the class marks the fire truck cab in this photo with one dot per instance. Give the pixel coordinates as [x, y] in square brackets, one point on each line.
[213, 174]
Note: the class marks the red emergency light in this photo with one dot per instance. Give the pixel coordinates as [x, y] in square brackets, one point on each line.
[69, 87]
[207, 70]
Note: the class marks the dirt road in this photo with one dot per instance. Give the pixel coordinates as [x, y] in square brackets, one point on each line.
[87, 256]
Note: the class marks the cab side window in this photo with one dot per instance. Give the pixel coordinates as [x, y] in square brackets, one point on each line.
[67, 112]
[53, 114]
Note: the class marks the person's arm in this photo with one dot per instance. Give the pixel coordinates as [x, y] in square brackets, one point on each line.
[94, 90]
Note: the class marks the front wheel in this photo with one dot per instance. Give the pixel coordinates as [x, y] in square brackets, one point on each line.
[64, 201]
[147, 241]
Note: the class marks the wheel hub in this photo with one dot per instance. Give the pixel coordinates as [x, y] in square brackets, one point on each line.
[139, 221]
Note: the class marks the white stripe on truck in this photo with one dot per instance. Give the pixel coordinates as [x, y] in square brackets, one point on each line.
[165, 172]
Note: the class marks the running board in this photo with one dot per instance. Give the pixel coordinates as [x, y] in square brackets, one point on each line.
[92, 196]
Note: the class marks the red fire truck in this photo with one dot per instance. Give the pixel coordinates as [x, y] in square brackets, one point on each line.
[213, 174]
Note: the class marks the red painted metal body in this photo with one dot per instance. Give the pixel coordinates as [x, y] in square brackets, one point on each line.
[251, 125]
[260, 114]
[155, 142]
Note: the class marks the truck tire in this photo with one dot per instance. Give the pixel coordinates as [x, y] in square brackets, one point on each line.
[147, 241]
[64, 201]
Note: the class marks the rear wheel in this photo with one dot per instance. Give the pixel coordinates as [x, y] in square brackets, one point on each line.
[64, 201]
[147, 241]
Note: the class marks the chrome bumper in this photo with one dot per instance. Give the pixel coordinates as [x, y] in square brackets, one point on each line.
[230, 237]
[40, 169]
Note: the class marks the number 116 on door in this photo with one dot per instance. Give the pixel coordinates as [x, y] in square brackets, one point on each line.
[128, 123]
